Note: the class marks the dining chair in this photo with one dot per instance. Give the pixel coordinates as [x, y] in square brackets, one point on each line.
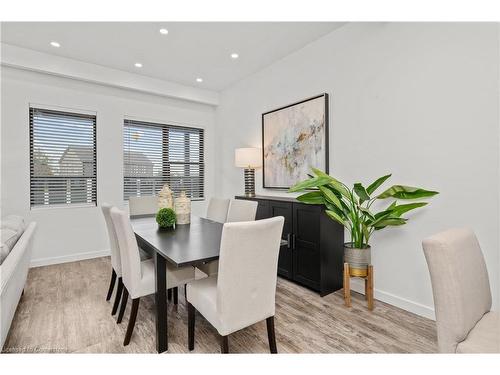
[217, 209]
[147, 205]
[139, 276]
[116, 267]
[462, 295]
[241, 210]
[243, 293]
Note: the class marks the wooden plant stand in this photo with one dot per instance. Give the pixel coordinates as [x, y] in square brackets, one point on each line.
[368, 286]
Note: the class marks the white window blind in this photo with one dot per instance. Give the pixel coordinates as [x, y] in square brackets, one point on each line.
[62, 158]
[157, 154]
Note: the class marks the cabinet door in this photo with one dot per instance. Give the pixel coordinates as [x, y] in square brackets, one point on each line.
[263, 210]
[306, 246]
[285, 258]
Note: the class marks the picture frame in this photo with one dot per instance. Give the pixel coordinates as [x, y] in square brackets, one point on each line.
[295, 138]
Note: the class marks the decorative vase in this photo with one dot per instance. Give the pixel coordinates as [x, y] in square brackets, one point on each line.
[358, 259]
[165, 198]
[183, 208]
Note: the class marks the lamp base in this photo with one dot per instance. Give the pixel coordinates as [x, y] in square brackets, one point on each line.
[249, 182]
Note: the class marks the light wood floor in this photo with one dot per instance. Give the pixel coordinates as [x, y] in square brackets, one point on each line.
[64, 310]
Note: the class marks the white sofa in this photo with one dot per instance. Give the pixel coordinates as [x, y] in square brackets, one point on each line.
[13, 274]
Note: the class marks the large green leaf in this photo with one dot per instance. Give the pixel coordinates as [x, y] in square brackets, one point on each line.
[334, 183]
[313, 197]
[374, 185]
[330, 196]
[310, 183]
[406, 192]
[403, 208]
[339, 212]
[361, 192]
[389, 221]
[333, 215]
[367, 212]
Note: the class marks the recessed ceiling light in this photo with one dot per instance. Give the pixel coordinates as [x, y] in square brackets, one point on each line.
[234, 55]
[138, 65]
[164, 31]
[55, 44]
[199, 79]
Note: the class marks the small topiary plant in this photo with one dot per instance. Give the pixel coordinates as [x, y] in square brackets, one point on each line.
[166, 218]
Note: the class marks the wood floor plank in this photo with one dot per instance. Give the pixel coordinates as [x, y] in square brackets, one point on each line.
[64, 310]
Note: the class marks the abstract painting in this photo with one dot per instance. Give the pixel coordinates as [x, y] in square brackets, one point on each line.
[294, 139]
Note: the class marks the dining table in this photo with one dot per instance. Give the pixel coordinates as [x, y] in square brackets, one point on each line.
[186, 245]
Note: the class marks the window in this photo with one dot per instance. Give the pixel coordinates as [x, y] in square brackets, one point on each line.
[62, 158]
[156, 154]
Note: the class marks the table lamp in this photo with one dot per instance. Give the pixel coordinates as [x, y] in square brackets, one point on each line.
[248, 158]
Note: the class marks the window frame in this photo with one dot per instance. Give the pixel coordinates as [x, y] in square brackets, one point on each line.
[64, 112]
[165, 163]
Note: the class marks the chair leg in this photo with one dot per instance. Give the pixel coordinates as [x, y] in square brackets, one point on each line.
[131, 321]
[176, 295]
[123, 305]
[191, 321]
[169, 295]
[271, 335]
[111, 285]
[185, 291]
[224, 344]
[118, 296]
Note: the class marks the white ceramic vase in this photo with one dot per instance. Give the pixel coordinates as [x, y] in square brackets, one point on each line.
[165, 197]
[182, 208]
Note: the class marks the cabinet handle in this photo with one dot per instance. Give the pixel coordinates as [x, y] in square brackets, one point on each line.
[289, 241]
[293, 238]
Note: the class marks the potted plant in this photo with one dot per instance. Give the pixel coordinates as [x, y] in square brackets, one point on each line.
[352, 208]
[166, 218]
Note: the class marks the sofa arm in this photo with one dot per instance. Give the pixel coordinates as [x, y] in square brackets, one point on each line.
[21, 250]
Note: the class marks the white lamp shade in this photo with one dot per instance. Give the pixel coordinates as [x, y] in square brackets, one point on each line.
[248, 157]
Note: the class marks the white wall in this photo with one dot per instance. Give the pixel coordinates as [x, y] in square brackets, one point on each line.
[74, 233]
[418, 100]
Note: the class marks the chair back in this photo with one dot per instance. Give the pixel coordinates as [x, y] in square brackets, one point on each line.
[129, 251]
[147, 205]
[217, 209]
[241, 210]
[248, 265]
[459, 283]
[113, 241]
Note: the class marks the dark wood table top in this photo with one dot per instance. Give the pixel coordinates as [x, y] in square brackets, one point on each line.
[187, 244]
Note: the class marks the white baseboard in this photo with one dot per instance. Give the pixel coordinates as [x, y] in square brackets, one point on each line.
[417, 308]
[68, 258]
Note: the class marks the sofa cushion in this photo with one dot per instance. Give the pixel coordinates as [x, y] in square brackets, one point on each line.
[8, 239]
[484, 337]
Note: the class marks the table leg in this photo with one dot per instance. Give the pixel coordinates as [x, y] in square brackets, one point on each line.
[161, 303]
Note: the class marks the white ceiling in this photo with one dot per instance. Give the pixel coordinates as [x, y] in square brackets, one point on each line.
[190, 50]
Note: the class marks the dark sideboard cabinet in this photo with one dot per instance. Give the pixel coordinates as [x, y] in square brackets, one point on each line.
[313, 256]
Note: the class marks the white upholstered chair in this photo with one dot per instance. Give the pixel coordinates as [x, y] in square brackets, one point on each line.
[217, 209]
[243, 293]
[241, 210]
[462, 296]
[147, 205]
[116, 266]
[237, 210]
[139, 276]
